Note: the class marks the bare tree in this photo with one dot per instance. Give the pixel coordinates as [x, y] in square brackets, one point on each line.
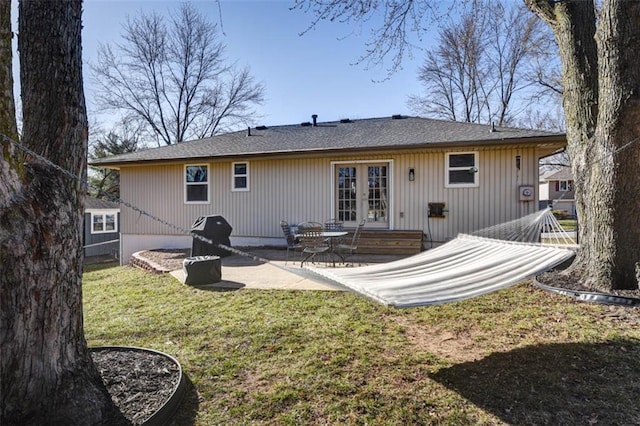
[545, 116]
[454, 73]
[121, 139]
[597, 43]
[174, 78]
[545, 71]
[47, 373]
[481, 69]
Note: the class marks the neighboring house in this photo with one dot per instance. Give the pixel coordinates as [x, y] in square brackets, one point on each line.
[399, 173]
[101, 228]
[557, 190]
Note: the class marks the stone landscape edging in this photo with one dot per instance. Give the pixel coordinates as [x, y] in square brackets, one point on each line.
[138, 261]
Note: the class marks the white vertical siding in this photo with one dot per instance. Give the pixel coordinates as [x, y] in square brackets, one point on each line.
[495, 200]
[294, 190]
[300, 189]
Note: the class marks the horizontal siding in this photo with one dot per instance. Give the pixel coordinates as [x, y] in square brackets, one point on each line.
[90, 239]
[299, 190]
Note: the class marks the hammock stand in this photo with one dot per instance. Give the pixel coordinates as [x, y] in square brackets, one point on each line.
[471, 265]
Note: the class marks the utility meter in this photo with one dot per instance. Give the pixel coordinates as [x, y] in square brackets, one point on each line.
[527, 193]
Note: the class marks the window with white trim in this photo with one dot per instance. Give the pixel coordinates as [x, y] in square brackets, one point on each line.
[102, 223]
[240, 176]
[461, 169]
[196, 181]
[565, 186]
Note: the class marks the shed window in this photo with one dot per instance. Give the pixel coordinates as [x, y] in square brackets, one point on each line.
[104, 222]
[240, 176]
[197, 183]
[461, 169]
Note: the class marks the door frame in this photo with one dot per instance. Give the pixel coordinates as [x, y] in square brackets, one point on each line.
[390, 185]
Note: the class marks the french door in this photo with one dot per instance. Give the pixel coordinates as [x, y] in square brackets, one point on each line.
[362, 192]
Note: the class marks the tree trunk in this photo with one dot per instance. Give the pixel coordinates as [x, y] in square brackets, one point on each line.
[613, 245]
[7, 104]
[601, 89]
[48, 376]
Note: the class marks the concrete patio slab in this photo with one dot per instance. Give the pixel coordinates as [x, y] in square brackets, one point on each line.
[262, 276]
[267, 270]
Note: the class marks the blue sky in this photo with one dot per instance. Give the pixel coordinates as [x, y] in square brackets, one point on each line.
[302, 75]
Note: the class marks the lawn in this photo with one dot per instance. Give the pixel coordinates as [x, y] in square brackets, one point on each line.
[568, 224]
[519, 356]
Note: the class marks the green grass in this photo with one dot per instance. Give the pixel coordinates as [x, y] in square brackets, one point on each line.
[519, 356]
[568, 224]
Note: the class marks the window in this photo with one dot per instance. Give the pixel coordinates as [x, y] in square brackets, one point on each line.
[104, 222]
[565, 185]
[196, 183]
[240, 176]
[461, 169]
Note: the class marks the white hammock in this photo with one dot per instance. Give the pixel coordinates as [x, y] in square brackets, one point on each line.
[465, 267]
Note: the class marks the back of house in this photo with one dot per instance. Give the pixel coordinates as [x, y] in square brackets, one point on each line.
[397, 173]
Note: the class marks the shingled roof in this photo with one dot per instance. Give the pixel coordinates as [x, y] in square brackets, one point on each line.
[93, 203]
[396, 132]
[563, 173]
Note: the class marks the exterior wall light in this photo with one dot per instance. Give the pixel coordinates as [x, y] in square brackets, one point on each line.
[412, 174]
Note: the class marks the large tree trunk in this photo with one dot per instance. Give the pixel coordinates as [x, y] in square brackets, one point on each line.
[48, 376]
[602, 110]
[7, 104]
[613, 249]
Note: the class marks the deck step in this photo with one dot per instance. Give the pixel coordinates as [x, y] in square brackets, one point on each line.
[389, 242]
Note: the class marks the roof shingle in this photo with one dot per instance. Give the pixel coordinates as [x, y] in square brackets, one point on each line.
[99, 204]
[372, 133]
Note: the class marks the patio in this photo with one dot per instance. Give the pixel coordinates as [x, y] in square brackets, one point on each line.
[246, 272]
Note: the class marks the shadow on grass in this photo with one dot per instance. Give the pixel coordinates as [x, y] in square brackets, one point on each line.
[221, 286]
[188, 409]
[571, 383]
[98, 263]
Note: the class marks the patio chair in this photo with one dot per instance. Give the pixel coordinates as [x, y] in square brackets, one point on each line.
[346, 251]
[292, 242]
[309, 226]
[333, 225]
[313, 243]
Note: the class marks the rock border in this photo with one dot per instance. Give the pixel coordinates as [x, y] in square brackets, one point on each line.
[137, 260]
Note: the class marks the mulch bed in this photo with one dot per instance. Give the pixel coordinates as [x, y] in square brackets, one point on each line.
[140, 382]
[170, 259]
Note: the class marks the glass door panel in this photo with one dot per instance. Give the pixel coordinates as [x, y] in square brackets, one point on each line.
[347, 197]
[378, 186]
[362, 193]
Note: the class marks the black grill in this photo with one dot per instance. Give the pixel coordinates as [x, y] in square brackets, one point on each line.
[214, 228]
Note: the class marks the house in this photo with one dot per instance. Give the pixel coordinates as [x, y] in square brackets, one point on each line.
[557, 190]
[398, 172]
[101, 235]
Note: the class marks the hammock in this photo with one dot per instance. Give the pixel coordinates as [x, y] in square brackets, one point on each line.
[466, 267]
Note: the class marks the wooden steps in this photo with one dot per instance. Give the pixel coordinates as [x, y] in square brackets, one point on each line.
[382, 241]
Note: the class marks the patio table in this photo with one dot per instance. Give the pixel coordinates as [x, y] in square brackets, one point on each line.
[331, 236]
